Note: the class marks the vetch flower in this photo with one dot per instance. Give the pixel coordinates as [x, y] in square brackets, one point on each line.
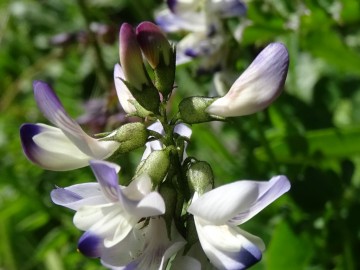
[64, 147]
[256, 88]
[217, 214]
[202, 20]
[105, 210]
[146, 247]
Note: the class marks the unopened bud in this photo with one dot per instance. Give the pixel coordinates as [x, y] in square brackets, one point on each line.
[192, 110]
[137, 81]
[159, 53]
[156, 165]
[131, 58]
[130, 136]
[199, 176]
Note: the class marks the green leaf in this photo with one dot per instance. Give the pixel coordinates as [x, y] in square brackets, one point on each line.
[287, 250]
[314, 145]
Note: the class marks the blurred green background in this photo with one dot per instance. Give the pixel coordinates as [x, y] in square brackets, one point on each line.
[311, 133]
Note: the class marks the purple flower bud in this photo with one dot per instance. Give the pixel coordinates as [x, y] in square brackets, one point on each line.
[154, 44]
[131, 57]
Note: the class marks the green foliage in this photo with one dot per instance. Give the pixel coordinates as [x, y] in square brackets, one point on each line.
[311, 133]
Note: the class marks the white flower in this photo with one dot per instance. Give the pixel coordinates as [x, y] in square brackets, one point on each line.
[206, 37]
[259, 85]
[64, 147]
[107, 211]
[218, 212]
[146, 247]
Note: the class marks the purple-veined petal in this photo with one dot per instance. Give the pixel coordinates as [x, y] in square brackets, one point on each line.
[259, 85]
[90, 245]
[223, 203]
[108, 221]
[268, 192]
[227, 247]
[76, 196]
[228, 8]
[49, 148]
[54, 111]
[123, 93]
[106, 174]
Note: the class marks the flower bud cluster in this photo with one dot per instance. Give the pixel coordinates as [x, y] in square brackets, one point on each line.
[170, 205]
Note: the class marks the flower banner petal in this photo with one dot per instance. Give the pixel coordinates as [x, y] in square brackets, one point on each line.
[222, 203]
[54, 111]
[269, 191]
[106, 175]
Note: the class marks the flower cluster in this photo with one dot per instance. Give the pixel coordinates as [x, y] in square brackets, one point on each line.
[203, 22]
[170, 206]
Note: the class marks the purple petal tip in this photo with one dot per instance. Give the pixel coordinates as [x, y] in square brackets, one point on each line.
[90, 245]
[171, 4]
[250, 256]
[30, 148]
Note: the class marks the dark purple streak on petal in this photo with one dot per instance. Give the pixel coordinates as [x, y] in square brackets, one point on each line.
[90, 245]
[30, 148]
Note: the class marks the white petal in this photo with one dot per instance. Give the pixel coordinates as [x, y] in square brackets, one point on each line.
[108, 221]
[123, 93]
[150, 147]
[269, 191]
[52, 108]
[106, 175]
[138, 199]
[76, 196]
[226, 247]
[259, 85]
[183, 130]
[223, 203]
[56, 152]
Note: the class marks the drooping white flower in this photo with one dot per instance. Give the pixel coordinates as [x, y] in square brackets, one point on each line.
[64, 147]
[107, 211]
[259, 85]
[217, 214]
[146, 247]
